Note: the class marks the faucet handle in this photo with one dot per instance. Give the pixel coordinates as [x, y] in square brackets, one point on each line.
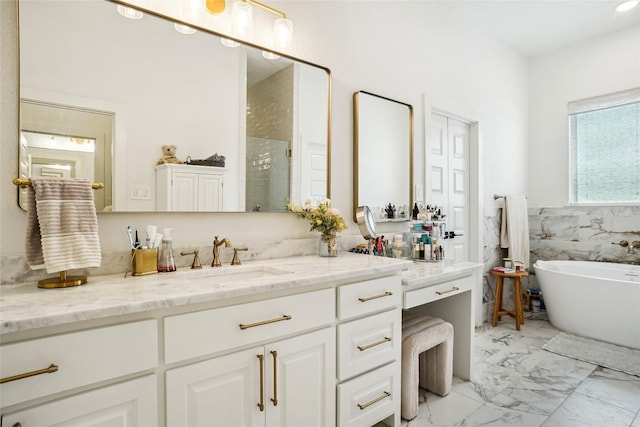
[196, 259]
[236, 260]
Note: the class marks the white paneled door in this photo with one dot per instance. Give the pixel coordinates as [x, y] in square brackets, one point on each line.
[447, 160]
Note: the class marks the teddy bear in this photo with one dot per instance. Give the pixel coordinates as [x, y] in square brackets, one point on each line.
[169, 155]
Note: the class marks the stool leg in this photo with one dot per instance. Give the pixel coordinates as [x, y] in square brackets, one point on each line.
[517, 290]
[436, 369]
[498, 302]
[409, 385]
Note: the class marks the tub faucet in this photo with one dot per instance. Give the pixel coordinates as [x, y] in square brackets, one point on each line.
[622, 243]
[635, 244]
[216, 254]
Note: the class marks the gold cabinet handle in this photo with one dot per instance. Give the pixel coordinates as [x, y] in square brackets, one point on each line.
[51, 369]
[368, 346]
[377, 399]
[261, 403]
[365, 299]
[275, 378]
[244, 326]
[455, 288]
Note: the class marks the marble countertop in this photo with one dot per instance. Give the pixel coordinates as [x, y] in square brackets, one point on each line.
[423, 274]
[24, 306]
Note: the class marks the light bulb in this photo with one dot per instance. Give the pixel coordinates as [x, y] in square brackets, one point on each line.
[215, 6]
[129, 12]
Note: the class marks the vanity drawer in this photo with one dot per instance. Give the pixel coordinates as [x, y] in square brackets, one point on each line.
[210, 331]
[367, 297]
[83, 358]
[370, 398]
[435, 292]
[369, 342]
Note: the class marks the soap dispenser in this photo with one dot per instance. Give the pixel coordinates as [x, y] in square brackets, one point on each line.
[166, 263]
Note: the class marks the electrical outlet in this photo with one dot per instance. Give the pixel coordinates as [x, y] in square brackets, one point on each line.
[140, 192]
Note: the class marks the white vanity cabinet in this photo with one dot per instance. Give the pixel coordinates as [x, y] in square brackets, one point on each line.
[189, 188]
[286, 383]
[282, 382]
[369, 357]
[127, 404]
[317, 347]
[51, 369]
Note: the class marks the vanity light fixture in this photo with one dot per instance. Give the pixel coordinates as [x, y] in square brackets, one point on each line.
[241, 22]
[129, 12]
[627, 5]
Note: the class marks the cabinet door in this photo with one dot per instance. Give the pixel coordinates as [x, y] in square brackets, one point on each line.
[224, 391]
[184, 191]
[127, 404]
[300, 380]
[209, 193]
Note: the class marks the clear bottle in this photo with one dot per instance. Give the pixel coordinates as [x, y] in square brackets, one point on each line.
[166, 263]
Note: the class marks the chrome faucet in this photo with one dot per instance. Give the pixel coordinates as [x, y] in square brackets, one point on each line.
[635, 244]
[216, 254]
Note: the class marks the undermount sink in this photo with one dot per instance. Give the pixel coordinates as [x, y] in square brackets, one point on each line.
[234, 273]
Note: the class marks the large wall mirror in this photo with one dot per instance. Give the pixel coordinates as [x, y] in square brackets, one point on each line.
[382, 156]
[101, 94]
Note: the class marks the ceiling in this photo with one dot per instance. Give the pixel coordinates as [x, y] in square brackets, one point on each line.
[535, 27]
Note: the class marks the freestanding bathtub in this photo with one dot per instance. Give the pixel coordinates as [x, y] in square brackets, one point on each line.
[598, 300]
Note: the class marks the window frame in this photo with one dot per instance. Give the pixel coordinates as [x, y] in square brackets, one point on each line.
[611, 100]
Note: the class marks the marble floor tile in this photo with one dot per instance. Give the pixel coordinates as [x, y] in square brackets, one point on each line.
[613, 387]
[516, 383]
[443, 411]
[493, 416]
[584, 411]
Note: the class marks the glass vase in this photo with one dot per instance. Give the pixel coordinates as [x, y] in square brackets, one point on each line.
[328, 245]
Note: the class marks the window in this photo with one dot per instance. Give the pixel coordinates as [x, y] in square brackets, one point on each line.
[605, 148]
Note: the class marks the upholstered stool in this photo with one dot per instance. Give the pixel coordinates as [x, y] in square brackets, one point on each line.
[427, 359]
[498, 310]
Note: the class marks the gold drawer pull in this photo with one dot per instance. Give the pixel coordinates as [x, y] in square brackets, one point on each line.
[261, 403]
[386, 294]
[274, 399]
[51, 369]
[366, 347]
[377, 399]
[264, 322]
[455, 288]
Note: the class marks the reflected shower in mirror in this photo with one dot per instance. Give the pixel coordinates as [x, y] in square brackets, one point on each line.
[157, 86]
[382, 156]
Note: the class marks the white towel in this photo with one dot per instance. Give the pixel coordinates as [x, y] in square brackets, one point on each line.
[514, 231]
[62, 226]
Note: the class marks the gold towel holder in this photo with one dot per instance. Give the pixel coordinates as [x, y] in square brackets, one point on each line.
[63, 281]
[24, 182]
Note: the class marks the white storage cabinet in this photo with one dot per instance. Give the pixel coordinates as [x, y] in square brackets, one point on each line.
[189, 188]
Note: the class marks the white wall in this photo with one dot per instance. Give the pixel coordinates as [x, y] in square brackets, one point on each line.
[411, 51]
[604, 65]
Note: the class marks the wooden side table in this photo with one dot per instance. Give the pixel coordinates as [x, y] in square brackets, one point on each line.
[498, 310]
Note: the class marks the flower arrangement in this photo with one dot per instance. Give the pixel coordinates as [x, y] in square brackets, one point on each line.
[323, 218]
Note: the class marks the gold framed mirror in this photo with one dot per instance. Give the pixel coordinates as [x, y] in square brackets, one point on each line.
[164, 87]
[382, 156]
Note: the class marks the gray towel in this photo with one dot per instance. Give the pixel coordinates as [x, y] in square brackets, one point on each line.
[62, 226]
